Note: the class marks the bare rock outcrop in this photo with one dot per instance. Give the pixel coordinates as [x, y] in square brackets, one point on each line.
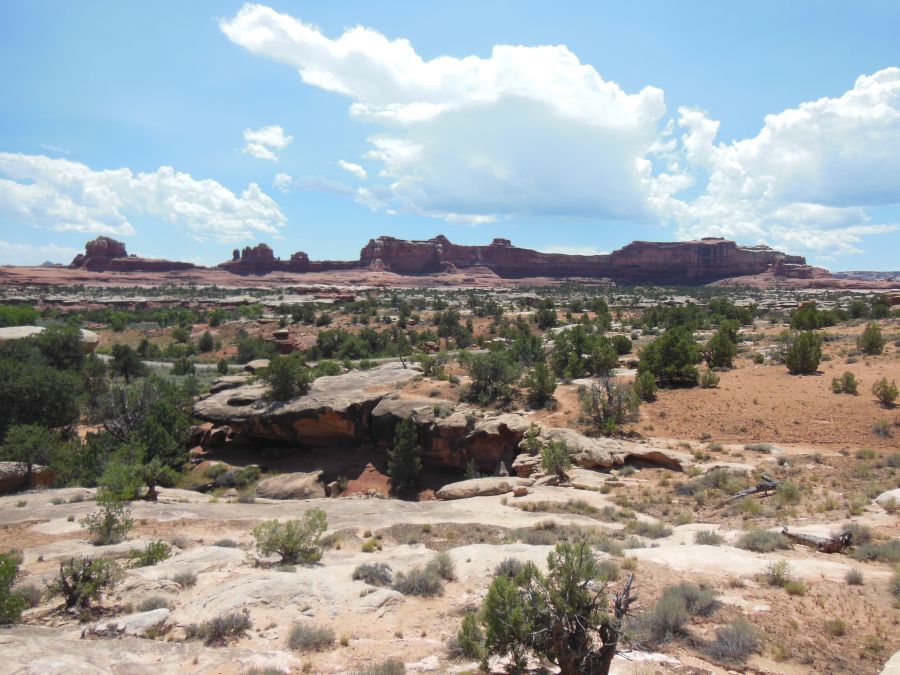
[104, 254]
[336, 410]
[298, 485]
[482, 487]
[700, 261]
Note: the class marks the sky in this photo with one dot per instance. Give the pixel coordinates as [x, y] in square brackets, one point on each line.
[188, 129]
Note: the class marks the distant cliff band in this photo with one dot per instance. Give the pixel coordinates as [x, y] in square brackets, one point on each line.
[688, 262]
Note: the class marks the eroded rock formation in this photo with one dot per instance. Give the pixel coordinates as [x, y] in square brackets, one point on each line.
[674, 262]
[363, 408]
[104, 254]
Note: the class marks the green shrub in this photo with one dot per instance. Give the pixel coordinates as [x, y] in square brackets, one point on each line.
[720, 350]
[663, 622]
[405, 458]
[778, 573]
[11, 604]
[155, 552]
[835, 627]
[555, 459]
[153, 602]
[871, 341]
[425, 583]
[493, 376]
[787, 493]
[795, 587]
[82, 580]
[645, 386]
[221, 629]
[306, 637]
[649, 529]
[375, 574]
[762, 541]
[442, 565]
[854, 577]
[709, 380]
[470, 639]
[509, 567]
[296, 541]
[540, 384]
[735, 642]
[226, 543]
[886, 552]
[672, 358]
[698, 600]
[32, 594]
[708, 538]
[185, 579]
[287, 377]
[845, 384]
[387, 667]
[885, 392]
[803, 353]
[110, 523]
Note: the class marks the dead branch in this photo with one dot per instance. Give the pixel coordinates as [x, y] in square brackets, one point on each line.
[833, 544]
[765, 487]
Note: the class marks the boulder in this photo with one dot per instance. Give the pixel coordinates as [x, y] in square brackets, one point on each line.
[520, 491]
[525, 465]
[292, 486]
[227, 382]
[132, 624]
[481, 487]
[256, 365]
[335, 411]
[608, 453]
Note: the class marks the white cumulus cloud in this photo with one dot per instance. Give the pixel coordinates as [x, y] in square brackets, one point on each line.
[534, 131]
[266, 142]
[355, 169]
[32, 254]
[283, 181]
[66, 196]
[526, 130]
[806, 181]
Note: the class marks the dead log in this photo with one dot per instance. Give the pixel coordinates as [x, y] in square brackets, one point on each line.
[766, 486]
[833, 544]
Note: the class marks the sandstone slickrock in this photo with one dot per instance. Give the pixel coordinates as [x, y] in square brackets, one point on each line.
[256, 365]
[482, 487]
[360, 407]
[606, 453]
[292, 486]
[336, 410]
[131, 624]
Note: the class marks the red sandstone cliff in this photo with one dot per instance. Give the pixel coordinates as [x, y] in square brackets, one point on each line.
[688, 262]
[104, 254]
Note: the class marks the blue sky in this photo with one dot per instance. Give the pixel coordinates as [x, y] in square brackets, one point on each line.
[187, 129]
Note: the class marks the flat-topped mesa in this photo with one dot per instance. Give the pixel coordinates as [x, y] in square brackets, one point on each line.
[700, 261]
[105, 254]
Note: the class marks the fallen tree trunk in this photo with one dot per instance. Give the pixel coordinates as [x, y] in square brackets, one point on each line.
[765, 486]
[834, 544]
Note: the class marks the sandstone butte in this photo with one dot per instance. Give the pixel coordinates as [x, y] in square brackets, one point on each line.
[688, 262]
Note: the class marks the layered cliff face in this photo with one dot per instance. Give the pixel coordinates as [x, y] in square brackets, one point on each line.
[673, 262]
[104, 254]
[687, 262]
[260, 259]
